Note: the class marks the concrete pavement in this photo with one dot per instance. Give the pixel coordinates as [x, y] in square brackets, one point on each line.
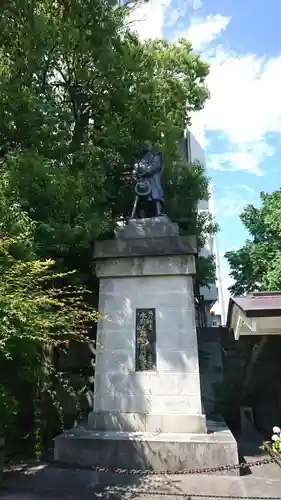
[49, 482]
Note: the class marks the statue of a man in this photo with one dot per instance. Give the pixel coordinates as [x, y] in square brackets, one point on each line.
[147, 176]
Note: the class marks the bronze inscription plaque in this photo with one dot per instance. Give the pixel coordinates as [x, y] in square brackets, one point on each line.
[145, 339]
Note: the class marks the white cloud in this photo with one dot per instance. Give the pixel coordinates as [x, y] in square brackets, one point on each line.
[245, 103]
[230, 205]
[197, 4]
[245, 98]
[242, 156]
[202, 33]
[234, 199]
[148, 19]
[247, 188]
[245, 106]
[173, 17]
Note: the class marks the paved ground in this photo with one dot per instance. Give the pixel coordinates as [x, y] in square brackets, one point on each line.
[49, 482]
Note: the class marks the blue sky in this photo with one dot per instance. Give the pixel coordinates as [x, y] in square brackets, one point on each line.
[240, 126]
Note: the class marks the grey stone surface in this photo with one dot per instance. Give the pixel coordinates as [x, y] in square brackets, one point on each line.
[175, 387]
[147, 419]
[146, 422]
[50, 482]
[153, 451]
[147, 383]
[137, 247]
[29, 481]
[146, 266]
[154, 227]
[154, 403]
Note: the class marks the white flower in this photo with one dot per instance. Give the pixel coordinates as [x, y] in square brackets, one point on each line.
[275, 437]
[276, 430]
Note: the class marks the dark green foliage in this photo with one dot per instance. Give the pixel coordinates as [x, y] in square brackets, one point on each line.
[78, 96]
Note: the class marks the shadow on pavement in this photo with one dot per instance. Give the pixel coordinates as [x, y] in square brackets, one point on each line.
[34, 481]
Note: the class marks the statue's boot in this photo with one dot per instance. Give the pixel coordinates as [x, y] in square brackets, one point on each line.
[159, 210]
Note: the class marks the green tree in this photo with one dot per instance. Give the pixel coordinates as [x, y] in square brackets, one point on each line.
[40, 311]
[256, 266]
[79, 93]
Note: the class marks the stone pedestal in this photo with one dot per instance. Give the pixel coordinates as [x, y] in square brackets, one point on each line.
[135, 276]
[157, 412]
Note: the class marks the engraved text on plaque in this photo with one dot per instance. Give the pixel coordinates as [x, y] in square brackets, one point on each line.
[145, 339]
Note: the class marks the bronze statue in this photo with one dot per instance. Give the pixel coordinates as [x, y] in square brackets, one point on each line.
[147, 178]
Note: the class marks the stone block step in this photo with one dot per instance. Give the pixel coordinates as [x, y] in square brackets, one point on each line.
[153, 451]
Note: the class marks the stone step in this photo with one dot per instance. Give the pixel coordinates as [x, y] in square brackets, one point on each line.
[153, 451]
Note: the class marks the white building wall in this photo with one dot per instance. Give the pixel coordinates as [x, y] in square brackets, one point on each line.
[211, 295]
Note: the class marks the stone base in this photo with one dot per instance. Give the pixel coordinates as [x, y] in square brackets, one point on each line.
[146, 422]
[153, 451]
[153, 227]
